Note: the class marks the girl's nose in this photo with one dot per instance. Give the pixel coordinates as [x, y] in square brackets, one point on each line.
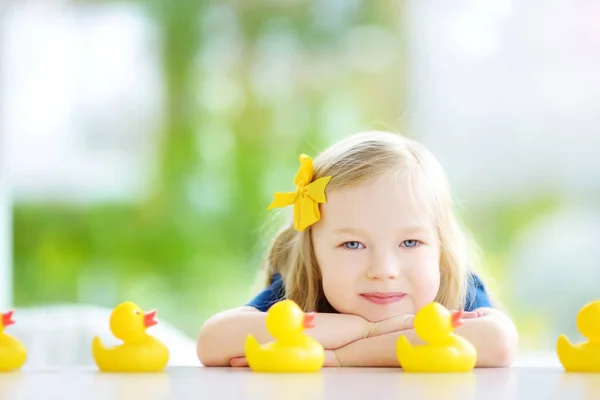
[383, 267]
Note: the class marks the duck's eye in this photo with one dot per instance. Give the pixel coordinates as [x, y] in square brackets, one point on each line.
[137, 312]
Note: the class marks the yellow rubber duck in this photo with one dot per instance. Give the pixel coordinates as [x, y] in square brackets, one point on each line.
[12, 352]
[139, 352]
[583, 357]
[292, 350]
[444, 351]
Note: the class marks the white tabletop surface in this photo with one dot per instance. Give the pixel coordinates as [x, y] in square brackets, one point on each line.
[330, 383]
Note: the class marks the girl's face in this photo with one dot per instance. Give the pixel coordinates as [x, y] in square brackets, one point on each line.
[378, 249]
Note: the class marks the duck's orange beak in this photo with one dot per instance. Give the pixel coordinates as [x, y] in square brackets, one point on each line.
[149, 319]
[456, 319]
[310, 320]
[7, 318]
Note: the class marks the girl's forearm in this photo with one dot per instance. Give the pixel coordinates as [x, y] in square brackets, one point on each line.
[223, 336]
[493, 336]
[378, 351]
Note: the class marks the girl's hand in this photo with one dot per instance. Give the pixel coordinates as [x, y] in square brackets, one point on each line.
[239, 362]
[471, 314]
[394, 324]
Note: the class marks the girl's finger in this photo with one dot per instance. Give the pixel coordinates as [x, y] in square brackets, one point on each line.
[238, 362]
[472, 314]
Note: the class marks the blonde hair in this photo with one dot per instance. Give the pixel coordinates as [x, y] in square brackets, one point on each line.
[350, 162]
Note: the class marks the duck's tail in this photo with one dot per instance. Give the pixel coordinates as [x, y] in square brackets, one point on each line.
[251, 349]
[99, 353]
[403, 349]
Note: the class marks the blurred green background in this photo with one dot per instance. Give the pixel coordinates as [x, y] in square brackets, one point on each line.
[192, 246]
[244, 87]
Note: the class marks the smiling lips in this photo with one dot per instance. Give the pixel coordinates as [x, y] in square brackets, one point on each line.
[384, 298]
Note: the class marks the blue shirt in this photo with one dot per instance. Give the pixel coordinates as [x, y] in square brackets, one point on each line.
[476, 295]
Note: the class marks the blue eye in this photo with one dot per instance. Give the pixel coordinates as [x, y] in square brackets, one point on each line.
[410, 243]
[353, 245]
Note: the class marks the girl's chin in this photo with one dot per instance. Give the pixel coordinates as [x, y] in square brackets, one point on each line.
[376, 313]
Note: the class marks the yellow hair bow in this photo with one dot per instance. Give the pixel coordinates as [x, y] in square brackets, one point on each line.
[307, 196]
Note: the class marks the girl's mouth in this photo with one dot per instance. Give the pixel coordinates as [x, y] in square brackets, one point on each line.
[383, 298]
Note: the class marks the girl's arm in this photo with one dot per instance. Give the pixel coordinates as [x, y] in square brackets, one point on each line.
[493, 335]
[222, 337]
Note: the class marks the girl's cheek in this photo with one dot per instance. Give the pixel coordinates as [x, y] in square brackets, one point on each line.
[425, 282]
[342, 262]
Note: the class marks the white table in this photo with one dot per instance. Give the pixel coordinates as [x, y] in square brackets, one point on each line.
[330, 383]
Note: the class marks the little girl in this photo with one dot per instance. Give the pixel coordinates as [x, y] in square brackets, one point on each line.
[374, 238]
